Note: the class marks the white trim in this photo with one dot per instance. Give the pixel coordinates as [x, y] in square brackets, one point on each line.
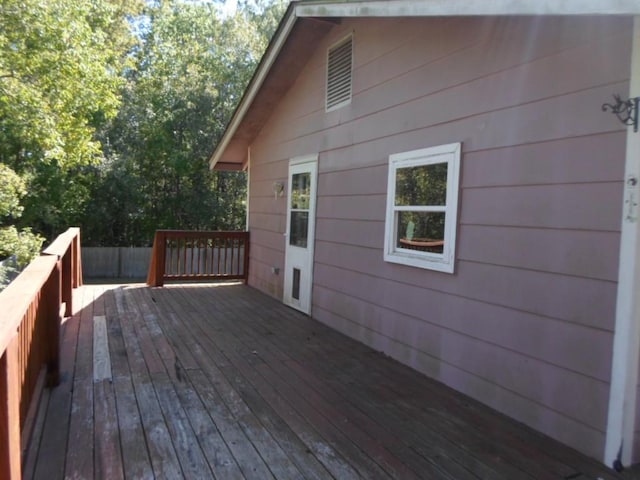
[304, 159]
[311, 161]
[444, 262]
[254, 87]
[426, 8]
[248, 188]
[624, 370]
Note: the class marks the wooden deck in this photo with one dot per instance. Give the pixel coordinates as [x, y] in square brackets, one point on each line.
[224, 382]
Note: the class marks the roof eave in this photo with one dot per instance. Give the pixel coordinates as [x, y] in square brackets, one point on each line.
[404, 8]
[269, 57]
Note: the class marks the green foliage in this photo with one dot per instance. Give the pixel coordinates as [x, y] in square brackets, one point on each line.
[424, 185]
[22, 244]
[61, 65]
[111, 130]
[189, 74]
[12, 188]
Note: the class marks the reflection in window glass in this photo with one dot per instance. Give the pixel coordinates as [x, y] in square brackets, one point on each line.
[422, 185]
[298, 229]
[422, 207]
[300, 191]
[423, 231]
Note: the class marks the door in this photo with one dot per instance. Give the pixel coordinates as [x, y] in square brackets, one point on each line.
[300, 234]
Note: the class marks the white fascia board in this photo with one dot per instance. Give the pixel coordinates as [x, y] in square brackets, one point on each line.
[254, 86]
[437, 8]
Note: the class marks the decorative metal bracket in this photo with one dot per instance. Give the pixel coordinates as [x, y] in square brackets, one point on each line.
[625, 110]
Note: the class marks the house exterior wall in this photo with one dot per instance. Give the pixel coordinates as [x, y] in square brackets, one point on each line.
[525, 322]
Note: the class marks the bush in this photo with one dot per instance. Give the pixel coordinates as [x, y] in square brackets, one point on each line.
[24, 244]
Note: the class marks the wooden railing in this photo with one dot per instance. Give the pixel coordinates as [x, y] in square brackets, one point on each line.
[192, 255]
[32, 307]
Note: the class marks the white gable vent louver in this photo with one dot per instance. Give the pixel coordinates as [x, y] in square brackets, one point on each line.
[339, 74]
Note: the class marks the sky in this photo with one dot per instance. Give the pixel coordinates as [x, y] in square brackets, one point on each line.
[229, 7]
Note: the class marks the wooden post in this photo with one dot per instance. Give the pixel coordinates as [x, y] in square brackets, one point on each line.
[151, 274]
[161, 260]
[155, 277]
[67, 281]
[77, 261]
[246, 258]
[52, 315]
[10, 446]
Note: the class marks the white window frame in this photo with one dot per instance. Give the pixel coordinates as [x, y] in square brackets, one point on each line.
[336, 45]
[442, 262]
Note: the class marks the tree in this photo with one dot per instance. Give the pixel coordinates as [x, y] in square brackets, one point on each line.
[189, 74]
[60, 75]
[112, 131]
[22, 244]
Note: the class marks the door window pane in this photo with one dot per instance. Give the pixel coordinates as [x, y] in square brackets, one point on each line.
[300, 191]
[299, 229]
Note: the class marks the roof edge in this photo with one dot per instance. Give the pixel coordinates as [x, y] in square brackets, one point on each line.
[436, 8]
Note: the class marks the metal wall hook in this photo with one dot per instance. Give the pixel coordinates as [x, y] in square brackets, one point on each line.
[625, 110]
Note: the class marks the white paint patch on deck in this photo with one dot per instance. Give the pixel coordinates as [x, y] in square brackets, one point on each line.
[101, 358]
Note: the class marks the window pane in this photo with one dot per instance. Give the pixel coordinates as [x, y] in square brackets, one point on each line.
[423, 185]
[299, 228]
[300, 191]
[422, 231]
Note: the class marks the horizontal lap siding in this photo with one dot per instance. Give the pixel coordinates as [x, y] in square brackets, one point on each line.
[525, 323]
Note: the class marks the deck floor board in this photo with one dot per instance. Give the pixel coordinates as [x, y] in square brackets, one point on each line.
[224, 382]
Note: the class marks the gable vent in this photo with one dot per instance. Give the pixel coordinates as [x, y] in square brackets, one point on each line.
[339, 74]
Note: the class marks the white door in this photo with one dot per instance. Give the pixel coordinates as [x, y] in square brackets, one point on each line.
[300, 234]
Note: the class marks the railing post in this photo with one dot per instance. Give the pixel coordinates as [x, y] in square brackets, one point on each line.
[67, 281]
[155, 277]
[246, 258]
[77, 261]
[53, 297]
[162, 257]
[151, 274]
[10, 454]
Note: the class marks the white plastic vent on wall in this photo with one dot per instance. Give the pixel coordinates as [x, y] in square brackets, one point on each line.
[339, 68]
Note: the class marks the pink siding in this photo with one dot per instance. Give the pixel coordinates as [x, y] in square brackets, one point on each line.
[525, 323]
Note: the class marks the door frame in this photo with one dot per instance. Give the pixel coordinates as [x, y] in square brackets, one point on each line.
[312, 161]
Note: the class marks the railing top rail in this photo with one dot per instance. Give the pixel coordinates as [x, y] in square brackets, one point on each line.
[17, 297]
[201, 234]
[62, 243]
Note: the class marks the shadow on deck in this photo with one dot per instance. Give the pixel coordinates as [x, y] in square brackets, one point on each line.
[225, 382]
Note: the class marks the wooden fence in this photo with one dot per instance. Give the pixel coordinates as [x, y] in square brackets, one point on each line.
[116, 262]
[32, 307]
[191, 255]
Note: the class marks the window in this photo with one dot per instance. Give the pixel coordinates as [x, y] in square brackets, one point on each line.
[339, 65]
[422, 207]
